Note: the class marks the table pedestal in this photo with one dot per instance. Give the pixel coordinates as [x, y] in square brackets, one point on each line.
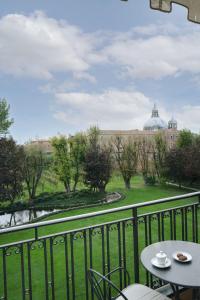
[196, 294]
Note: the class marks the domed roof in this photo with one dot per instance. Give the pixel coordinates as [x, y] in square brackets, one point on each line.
[155, 122]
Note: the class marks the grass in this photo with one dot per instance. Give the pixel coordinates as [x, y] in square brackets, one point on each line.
[139, 193]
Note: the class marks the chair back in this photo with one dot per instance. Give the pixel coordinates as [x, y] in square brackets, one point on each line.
[95, 279]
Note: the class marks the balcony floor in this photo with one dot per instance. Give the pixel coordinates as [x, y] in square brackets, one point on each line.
[187, 295]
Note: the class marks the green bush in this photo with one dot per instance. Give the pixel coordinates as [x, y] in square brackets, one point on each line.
[150, 180]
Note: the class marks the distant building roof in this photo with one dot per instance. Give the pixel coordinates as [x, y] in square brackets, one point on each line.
[155, 122]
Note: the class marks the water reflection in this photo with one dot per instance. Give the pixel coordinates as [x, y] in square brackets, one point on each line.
[21, 217]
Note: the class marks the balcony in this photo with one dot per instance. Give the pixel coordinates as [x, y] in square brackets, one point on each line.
[50, 259]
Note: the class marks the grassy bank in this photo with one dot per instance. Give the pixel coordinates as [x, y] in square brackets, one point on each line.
[139, 193]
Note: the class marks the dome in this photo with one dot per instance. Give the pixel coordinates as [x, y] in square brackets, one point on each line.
[155, 122]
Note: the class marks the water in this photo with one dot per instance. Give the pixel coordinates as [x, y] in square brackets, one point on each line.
[21, 217]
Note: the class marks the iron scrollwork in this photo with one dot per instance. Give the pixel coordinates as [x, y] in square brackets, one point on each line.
[13, 250]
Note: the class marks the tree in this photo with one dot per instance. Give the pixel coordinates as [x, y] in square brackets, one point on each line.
[11, 171]
[69, 156]
[185, 138]
[62, 161]
[5, 122]
[145, 160]
[33, 168]
[77, 145]
[159, 155]
[126, 154]
[192, 163]
[175, 166]
[183, 162]
[98, 162]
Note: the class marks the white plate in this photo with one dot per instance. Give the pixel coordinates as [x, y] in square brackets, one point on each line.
[189, 256]
[154, 262]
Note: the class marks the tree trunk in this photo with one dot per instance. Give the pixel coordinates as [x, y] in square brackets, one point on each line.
[67, 187]
[127, 183]
[75, 184]
[102, 189]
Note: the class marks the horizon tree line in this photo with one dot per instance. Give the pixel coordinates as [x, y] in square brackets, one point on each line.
[85, 158]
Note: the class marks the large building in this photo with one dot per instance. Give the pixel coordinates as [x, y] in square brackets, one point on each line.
[151, 127]
[44, 145]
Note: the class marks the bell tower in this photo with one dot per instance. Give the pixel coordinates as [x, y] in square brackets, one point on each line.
[172, 124]
[155, 112]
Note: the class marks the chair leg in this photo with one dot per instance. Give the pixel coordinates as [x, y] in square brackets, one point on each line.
[175, 291]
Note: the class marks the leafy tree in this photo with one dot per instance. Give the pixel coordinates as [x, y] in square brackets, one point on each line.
[197, 140]
[5, 122]
[33, 168]
[185, 138]
[145, 160]
[69, 156]
[11, 171]
[175, 166]
[159, 155]
[183, 162]
[126, 154]
[62, 161]
[77, 145]
[98, 162]
[192, 163]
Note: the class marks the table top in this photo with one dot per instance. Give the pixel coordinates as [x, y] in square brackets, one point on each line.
[182, 274]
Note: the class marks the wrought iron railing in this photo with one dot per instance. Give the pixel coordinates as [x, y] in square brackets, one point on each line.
[48, 260]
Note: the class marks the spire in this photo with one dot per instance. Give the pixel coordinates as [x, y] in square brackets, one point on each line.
[155, 112]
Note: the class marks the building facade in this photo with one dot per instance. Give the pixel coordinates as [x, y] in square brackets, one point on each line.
[152, 127]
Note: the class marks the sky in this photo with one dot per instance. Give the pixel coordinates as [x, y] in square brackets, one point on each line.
[68, 65]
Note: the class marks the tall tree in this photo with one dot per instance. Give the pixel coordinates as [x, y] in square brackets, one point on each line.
[11, 171]
[5, 121]
[77, 145]
[183, 162]
[98, 162]
[34, 166]
[192, 163]
[185, 138]
[145, 161]
[62, 161]
[159, 155]
[126, 154]
[175, 166]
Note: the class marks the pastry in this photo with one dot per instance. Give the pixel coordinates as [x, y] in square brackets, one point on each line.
[182, 258]
[179, 254]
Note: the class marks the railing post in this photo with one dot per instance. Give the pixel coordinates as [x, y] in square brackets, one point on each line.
[136, 245]
[36, 233]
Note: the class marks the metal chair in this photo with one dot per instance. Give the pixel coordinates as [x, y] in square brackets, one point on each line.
[102, 287]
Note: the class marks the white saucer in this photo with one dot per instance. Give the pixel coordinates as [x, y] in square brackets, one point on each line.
[154, 262]
[189, 256]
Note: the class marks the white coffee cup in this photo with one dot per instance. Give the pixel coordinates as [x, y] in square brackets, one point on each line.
[161, 258]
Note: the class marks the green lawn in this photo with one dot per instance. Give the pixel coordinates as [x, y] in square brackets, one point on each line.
[138, 193]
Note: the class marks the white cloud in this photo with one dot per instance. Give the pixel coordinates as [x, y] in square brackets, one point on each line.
[155, 53]
[111, 109]
[158, 28]
[115, 109]
[39, 46]
[189, 117]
